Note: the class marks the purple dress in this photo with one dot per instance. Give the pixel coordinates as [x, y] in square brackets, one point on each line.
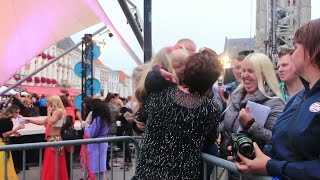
[97, 130]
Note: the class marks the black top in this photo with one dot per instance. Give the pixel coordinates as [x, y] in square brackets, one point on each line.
[126, 125]
[17, 102]
[177, 127]
[5, 125]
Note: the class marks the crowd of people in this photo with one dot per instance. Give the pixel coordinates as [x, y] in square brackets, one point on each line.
[181, 112]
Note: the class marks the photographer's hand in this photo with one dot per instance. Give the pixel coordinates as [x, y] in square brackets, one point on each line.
[256, 166]
[221, 91]
[230, 158]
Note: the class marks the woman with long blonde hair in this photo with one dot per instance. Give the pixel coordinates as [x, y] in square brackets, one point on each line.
[294, 150]
[53, 123]
[260, 85]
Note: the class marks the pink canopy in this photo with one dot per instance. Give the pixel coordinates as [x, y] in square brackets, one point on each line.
[29, 27]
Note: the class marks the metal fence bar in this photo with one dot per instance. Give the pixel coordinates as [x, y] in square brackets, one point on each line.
[84, 168]
[215, 172]
[99, 155]
[111, 156]
[230, 166]
[124, 160]
[40, 162]
[71, 162]
[6, 155]
[24, 164]
[38, 145]
[56, 165]
[205, 170]
[42, 145]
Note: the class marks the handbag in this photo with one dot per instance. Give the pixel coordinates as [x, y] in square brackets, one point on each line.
[67, 130]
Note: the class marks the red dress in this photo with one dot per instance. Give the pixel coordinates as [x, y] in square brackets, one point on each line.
[49, 160]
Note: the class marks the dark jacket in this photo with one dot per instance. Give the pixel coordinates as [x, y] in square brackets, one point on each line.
[17, 102]
[295, 148]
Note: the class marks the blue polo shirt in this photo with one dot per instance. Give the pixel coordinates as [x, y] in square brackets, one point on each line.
[295, 147]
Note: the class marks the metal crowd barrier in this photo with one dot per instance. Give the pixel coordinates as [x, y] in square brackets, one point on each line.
[207, 158]
[42, 145]
[227, 165]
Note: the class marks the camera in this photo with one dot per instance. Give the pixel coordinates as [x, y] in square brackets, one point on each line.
[226, 91]
[243, 144]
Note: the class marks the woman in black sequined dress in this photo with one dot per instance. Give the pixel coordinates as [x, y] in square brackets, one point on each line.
[181, 120]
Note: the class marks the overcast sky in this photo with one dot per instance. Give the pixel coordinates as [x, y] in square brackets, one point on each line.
[207, 22]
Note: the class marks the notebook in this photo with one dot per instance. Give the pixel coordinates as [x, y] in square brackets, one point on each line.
[259, 112]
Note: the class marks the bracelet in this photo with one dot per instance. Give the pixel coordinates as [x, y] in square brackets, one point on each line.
[249, 124]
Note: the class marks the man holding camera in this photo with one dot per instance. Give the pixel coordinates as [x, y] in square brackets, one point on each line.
[227, 89]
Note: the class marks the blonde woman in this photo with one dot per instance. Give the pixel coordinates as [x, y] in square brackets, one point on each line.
[6, 130]
[53, 123]
[171, 59]
[260, 85]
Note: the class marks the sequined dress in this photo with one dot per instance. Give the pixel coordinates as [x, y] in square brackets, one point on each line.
[178, 126]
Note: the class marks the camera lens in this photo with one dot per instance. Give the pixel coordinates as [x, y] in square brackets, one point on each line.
[245, 147]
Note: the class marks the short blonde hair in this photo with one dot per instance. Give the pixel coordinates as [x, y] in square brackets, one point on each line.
[164, 58]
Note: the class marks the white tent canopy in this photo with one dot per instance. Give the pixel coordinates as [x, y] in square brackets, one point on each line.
[11, 92]
[29, 27]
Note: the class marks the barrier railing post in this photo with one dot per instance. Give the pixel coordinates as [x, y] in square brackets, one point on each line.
[6, 155]
[205, 170]
[54, 146]
[230, 166]
[40, 161]
[111, 160]
[99, 155]
[124, 160]
[85, 162]
[215, 172]
[71, 162]
[24, 164]
[56, 165]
